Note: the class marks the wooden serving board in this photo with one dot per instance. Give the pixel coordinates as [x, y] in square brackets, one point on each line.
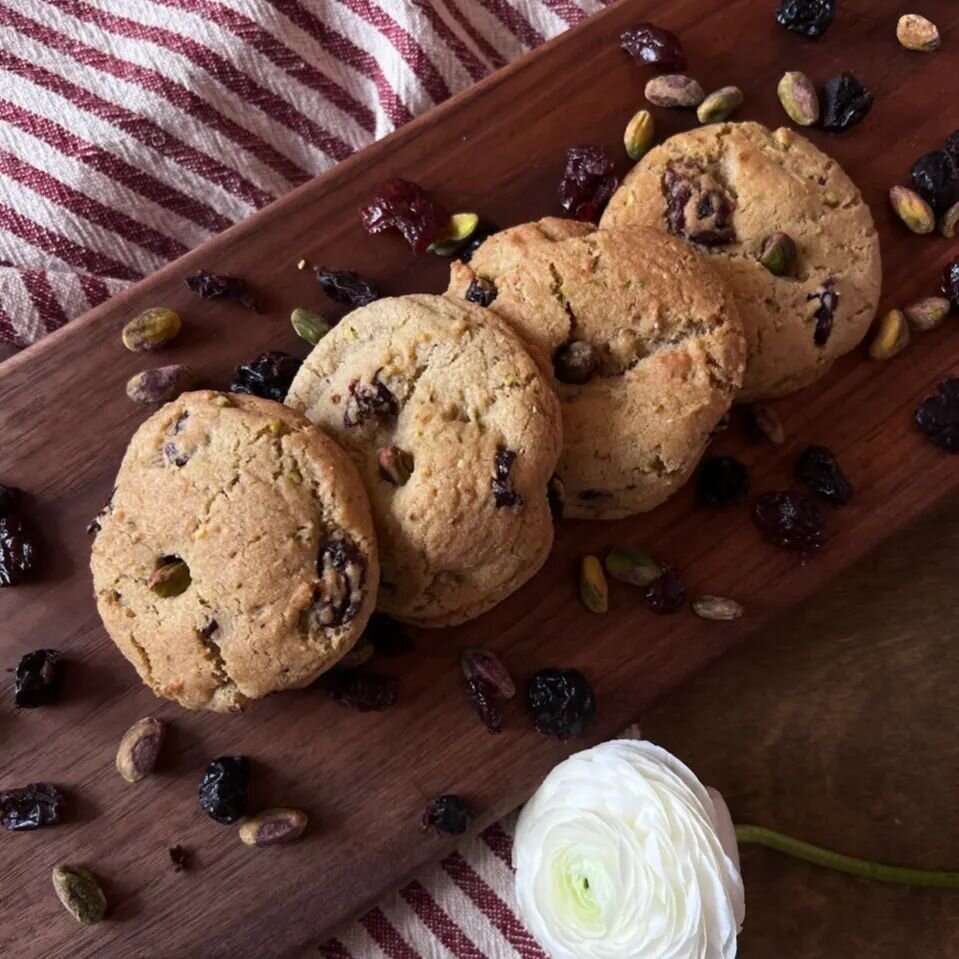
[364, 778]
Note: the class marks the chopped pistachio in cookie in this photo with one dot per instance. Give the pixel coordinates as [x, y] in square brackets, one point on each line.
[456, 434]
[737, 191]
[643, 343]
[237, 556]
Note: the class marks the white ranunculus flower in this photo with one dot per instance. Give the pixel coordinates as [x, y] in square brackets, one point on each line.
[623, 854]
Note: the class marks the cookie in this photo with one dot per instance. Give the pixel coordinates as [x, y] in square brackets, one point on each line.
[641, 340]
[237, 556]
[726, 188]
[456, 434]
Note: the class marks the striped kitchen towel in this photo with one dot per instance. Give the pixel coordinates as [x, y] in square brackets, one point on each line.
[133, 130]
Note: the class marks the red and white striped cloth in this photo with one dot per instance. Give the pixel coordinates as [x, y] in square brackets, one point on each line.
[133, 130]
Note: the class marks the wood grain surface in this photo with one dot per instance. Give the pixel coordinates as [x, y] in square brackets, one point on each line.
[497, 149]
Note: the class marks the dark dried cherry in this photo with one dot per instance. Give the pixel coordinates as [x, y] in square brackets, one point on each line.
[373, 400]
[575, 362]
[447, 814]
[949, 282]
[31, 807]
[937, 416]
[18, 552]
[562, 702]
[482, 292]
[345, 286]
[181, 858]
[667, 593]
[39, 678]
[647, 43]
[220, 286]
[698, 206]
[935, 177]
[819, 469]
[390, 637]
[825, 314]
[362, 691]
[482, 696]
[790, 520]
[222, 790]
[268, 376]
[951, 146]
[500, 483]
[587, 183]
[10, 499]
[484, 230]
[810, 18]
[845, 102]
[722, 481]
[341, 569]
[407, 207]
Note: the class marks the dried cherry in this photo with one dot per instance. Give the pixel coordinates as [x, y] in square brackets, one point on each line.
[935, 177]
[362, 691]
[373, 400]
[31, 807]
[500, 483]
[448, 814]
[937, 416]
[845, 102]
[647, 43]
[950, 282]
[587, 183]
[268, 376]
[345, 286]
[17, 550]
[562, 702]
[484, 230]
[825, 314]
[222, 790]
[219, 286]
[667, 593]
[39, 677]
[407, 207]
[790, 520]
[482, 695]
[819, 469]
[722, 481]
[810, 18]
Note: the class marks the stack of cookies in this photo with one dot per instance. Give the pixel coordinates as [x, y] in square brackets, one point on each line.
[427, 439]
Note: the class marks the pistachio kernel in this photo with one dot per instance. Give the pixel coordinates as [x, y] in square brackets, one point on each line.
[396, 465]
[139, 748]
[892, 337]
[719, 105]
[592, 585]
[798, 97]
[767, 422]
[170, 578]
[159, 385]
[634, 566]
[460, 228]
[151, 329]
[778, 254]
[912, 209]
[948, 221]
[273, 826]
[222, 400]
[717, 608]
[927, 313]
[674, 90]
[80, 893]
[482, 664]
[358, 656]
[308, 325]
[783, 137]
[915, 32]
[639, 134]
[575, 362]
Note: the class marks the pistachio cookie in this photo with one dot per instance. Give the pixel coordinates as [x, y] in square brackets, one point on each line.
[456, 433]
[785, 228]
[237, 555]
[644, 345]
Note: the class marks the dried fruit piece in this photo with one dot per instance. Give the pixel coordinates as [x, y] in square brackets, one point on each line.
[219, 286]
[717, 608]
[892, 337]
[810, 18]
[667, 593]
[17, 551]
[364, 692]
[766, 423]
[949, 221]
[396, 465]
[587, 183]
[915, 32]
[698, 206]
[341, 570]
[647, 43]
[273, 826]
[674, 90]
[388, 636]
[846, 102]
[633, 566]
[39, 678]
[912, 209]
[180, 857]
[825, 312]
[170, 578]
[722, 481]
[481, 695]
[575, 362]
[459, 229]
[798, 96]
[139, 749]
[927, 313]
[819, 469]
[790, 520]
[778, 254]
[222, 790]
[556, 496]
[719, 105]
[484, 230]
[308, 325]
[347, 287]
[268, 376]
[937, 416]
[935, 176]
[10, 499]
[358, 656]
[31, 807]
[503, 495]
[407, 207]
[481, 291]
[369, 401]
[639, 134]
[592, 585]
[950, 282]
[151, 329]
[80, 893]
[562, 702]
[483, 664]
[160, 385]
[447, 814]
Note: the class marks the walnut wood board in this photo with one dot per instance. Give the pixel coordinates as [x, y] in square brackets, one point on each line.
[364, 777]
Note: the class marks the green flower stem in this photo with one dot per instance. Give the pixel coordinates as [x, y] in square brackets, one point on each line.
[834, 860]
